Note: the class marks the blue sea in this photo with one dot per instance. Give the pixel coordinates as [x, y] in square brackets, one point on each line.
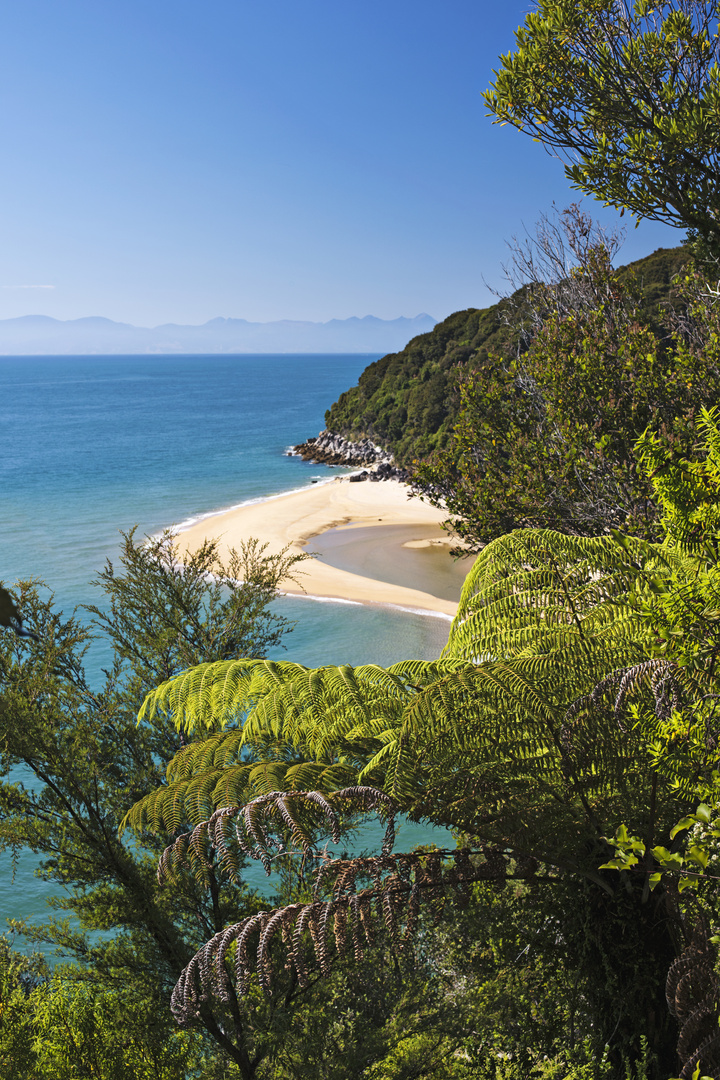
[90, 446]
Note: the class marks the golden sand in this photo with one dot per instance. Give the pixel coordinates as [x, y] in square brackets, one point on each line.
[293, 520]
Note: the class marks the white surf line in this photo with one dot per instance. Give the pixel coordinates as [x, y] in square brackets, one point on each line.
[421, 611]
[327, 599]
[188, 523]
[368, 603]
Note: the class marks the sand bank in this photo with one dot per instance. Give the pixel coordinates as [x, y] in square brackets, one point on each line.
[297, 518]
[407, 555]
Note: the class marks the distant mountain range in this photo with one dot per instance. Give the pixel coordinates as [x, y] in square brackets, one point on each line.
[39, 334]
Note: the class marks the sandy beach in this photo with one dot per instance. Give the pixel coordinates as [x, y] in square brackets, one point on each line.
[397, 537]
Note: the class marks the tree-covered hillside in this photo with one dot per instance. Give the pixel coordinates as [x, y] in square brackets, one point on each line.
[408, 401]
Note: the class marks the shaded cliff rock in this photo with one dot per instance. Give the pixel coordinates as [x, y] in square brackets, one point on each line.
[383, 471]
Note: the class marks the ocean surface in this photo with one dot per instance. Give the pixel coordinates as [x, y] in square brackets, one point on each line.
[90, 446]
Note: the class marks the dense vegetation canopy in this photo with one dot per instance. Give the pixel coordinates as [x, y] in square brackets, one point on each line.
[410, 401]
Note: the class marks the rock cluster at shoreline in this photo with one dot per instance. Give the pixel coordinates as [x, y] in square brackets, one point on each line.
[327, 448]
[383, 471]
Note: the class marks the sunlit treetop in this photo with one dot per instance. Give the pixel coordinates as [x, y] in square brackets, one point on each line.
[628, 95]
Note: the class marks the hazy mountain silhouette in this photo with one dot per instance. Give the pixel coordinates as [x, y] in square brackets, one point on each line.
[39, 334]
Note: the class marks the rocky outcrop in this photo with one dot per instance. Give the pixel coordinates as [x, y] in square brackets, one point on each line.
[383, 471]
[330, 449]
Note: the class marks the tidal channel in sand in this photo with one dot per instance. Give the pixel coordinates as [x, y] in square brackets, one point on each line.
[411, 556]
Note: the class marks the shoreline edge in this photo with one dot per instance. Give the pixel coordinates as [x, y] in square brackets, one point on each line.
[293, 519]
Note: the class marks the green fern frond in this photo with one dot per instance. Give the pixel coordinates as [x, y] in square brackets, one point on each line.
[536, 589]
[687, 491]
[334, 718]
[213, 695]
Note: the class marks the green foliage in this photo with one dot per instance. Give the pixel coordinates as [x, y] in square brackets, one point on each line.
[363, 1018]
[79, 761]
[547, 439]
[83, 1032]
[545, 394]
[687, 865]
[688, 490]
[681, 611]
[629, 95]
[54, 1027]
[19, 977]
[409, 401]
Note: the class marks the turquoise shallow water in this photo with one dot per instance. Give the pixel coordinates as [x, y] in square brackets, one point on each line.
[92, 445]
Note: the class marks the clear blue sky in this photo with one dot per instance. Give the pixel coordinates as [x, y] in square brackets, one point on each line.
[167, 160]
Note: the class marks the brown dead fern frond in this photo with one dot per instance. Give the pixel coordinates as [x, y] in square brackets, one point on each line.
[273, 824]
[662, 677]
[371, 898]
[693, 997]
[356, 901]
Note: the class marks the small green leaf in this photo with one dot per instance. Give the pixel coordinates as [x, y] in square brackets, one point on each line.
[667, 858]
[686, 823]
[622, 862]
[698, 855]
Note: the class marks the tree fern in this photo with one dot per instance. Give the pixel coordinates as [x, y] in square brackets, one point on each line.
[296, 727]
[484, 740]
[353, 901]
[539, 591]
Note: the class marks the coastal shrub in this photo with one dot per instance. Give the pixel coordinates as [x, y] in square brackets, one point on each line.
[80, 1031]
[546, 439]
[74, 759]
[19, 977]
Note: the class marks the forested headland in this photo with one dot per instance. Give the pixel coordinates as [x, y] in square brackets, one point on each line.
[409, 401]
[568, 736]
